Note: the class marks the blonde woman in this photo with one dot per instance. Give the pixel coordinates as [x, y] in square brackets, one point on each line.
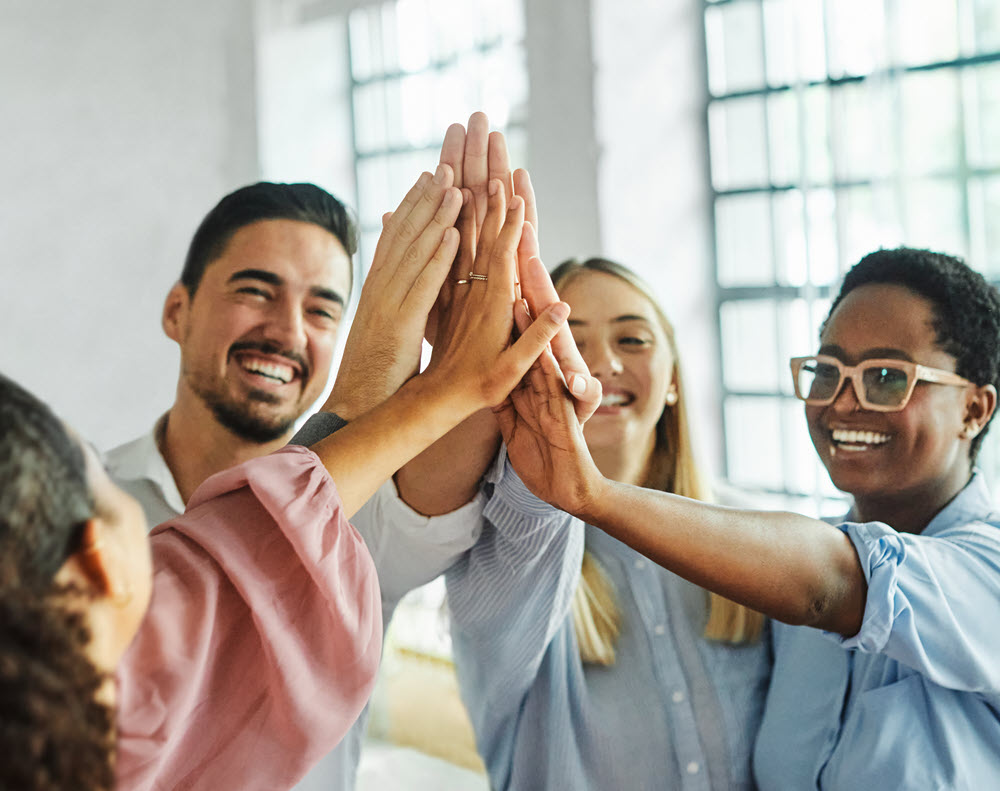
[584, 665]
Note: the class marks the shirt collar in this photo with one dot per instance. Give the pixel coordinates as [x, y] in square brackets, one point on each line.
[141, 459]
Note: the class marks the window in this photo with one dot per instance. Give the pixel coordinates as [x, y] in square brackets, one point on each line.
[416, 67]
[836, 127]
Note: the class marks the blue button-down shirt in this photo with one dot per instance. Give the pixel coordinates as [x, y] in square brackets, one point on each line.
[913, 700]
[675, 711]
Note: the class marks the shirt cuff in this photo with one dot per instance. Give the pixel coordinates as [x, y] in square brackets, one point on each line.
[511, 500]
[319, 426]
[881, 550]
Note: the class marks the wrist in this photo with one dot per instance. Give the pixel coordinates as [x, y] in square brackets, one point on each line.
[593, 496]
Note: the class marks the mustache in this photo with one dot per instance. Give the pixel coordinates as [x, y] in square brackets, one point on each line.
[265, 347]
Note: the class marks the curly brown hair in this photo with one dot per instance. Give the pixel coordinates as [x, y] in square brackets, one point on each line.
[54, 734]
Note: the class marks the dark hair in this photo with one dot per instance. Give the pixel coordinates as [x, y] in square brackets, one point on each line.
[966, 308]
[265, 201]
[53, 733]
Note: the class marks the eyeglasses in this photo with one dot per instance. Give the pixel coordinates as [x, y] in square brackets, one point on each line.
[880, 385]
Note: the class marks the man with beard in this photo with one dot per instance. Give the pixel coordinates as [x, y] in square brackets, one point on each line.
[256, 313]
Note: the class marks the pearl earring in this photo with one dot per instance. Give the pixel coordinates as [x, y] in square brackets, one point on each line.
[671, 397]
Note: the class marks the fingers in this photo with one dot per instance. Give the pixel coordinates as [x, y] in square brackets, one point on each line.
[524, 188]
[427, 284]
[489, 229]
[538, 291]
[516, 360]
[498, 160]
[453, 151]
[428, 208]
[475, 170]
[503, 258]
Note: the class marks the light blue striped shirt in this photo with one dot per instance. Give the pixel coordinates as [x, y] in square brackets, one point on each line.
[675, 710]
[913, 700]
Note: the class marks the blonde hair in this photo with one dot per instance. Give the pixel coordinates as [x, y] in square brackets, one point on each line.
[672, 468]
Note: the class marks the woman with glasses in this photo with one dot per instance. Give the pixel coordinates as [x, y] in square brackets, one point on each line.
[584, 666]
[885, 670]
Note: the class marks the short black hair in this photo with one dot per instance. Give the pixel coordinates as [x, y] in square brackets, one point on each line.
[265, 200]
[966, 308]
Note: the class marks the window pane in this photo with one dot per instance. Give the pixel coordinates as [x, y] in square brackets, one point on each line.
[734, 40]
[753, 446]
[370, 117]
[856, 31]
[930, 123]
[935, 216]
[798, 131]
[738, 143]
[366, 42]
[795, 47]
[984, 218]
[863, 144]
[869, 219]
[373, 190]
[413, 35]
[983, 116]
[987, 25]
[750, 345]
[743, 234]
[926, 32]
[823, 250]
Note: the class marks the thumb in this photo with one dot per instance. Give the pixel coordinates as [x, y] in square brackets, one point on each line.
[516, 360]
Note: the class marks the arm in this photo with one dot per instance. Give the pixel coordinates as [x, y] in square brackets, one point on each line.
[477, 366]
[262, 640]
[510, 599]
[447, 475]
[790, 567]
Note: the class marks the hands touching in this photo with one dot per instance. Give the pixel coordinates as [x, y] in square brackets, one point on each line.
[412, 259]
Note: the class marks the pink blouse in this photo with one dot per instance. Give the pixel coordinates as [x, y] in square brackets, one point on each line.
[262, 639]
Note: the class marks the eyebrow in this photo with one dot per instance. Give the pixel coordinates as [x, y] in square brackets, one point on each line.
[869, 354]
[272, 279]
[616, 320]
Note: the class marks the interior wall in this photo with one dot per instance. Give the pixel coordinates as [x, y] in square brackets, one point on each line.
[124, 121]
[653, 187]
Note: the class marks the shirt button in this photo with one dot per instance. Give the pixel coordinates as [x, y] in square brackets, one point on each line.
[677, 697]
[693, 768]
[640, 563]
[660, 629]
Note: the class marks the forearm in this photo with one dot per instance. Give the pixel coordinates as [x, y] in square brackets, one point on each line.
[446, 476]
[365, 453]
[790, 567]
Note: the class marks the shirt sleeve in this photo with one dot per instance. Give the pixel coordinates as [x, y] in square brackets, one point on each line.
[410, 549]
[262, 639]
[928, 597]
[509, 597]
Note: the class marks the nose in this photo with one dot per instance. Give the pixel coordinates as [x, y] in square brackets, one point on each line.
[285, 326]
[603, 361]
[847, 398]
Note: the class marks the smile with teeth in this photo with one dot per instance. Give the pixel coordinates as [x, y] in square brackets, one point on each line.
[851, 440]
[616, 399]
[276, 371]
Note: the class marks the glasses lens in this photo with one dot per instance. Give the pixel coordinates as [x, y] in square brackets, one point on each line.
[818, 380]
[884, 385]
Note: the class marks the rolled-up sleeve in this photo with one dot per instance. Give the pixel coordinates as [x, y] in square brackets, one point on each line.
[262, 640]
[931, 600]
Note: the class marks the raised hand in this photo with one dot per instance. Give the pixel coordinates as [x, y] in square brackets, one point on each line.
[413, 257]
[544, 436]
[477, 346]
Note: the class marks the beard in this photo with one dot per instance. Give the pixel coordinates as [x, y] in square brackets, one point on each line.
[242, 419]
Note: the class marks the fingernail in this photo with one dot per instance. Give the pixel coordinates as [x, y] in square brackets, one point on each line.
[494, 186]
[439, 174]
[527, 310]
[578, 385]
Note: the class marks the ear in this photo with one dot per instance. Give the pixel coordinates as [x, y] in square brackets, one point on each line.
[672, 395]
[175, 312]
[89, 568]
[979, 408]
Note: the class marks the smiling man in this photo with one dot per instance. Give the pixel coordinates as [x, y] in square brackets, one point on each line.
[256, 314]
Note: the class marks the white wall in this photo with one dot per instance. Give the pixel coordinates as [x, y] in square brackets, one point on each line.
[123, 122]
[655, 202]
